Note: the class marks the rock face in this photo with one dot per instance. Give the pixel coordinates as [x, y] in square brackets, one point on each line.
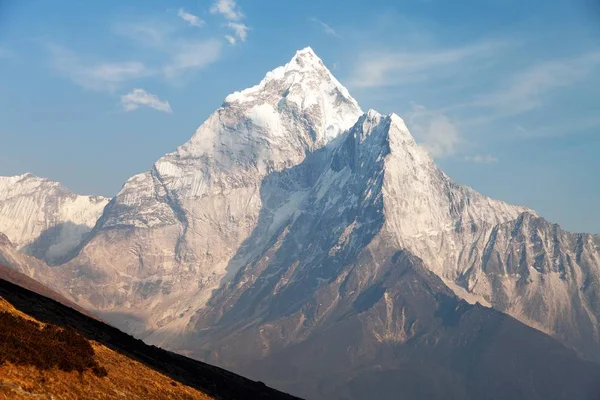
[44, 219]
[394, 331]
[293, 225]
[29, 266]
[164, 242]
[326, 281]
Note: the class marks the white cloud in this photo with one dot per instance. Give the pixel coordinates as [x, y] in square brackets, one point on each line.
[482, 159]
[240, 32]
[526, 89]
[192, 55]
[230, 10]
[139, 97]
[227, 8]
[177, 54]
[231, 39]
[326, 28]
[191, 19]
[102, 76]
[148, 33]
[389, 68]
[434, 131]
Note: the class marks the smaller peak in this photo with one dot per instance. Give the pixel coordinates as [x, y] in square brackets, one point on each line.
[16, 178]
[396, 118]
[372, 114]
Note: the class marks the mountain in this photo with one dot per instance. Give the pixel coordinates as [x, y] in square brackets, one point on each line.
[397, 332]
[334, 282]
[44, 219]
[50, 350]
[164, 242]
[20, 279]
[295, 230]
[29, 266]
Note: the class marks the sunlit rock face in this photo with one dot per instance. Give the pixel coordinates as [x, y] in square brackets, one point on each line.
[164, 242]
[44, 219]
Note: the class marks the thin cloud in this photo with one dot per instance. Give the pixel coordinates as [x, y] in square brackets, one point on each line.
[179, 54]
[434, 131]
[326, 28]
[527, 89]
[192, 55]
[389, 68]
[148, 33]
[228, 8]
[482, 159]
[139, 97]
[231, 39]
[191, 19]
[101, 76]
[240, 32]
[232, 13]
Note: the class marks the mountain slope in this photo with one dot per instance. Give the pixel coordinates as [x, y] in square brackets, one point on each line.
[30, 266]
[542, 275]
[85, 358]
[332, 282]
[397, 329]
[164, 241]
[44, 219]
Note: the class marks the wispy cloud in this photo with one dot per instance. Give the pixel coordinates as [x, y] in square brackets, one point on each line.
[482, 159]
[228, 8]
[191, 19]
[232, 13]
[102, 76]
[389, 68]
[326, 28]
[434, 131]
[188, 55]
[139, 97]
[240, 32]
[526, 89]
[148, 33]
[179, 53]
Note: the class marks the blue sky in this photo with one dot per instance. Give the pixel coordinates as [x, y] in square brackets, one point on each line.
[504, 93]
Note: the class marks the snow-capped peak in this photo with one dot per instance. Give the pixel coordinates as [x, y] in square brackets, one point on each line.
[296, 108]
[304, 73]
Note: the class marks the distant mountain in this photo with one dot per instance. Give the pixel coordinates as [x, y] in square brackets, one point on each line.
[50, 350]
[44, 219]
[24, 281]
[294, 229]
[29, 265]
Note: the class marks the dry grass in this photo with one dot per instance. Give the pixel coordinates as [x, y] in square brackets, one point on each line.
[126, 378]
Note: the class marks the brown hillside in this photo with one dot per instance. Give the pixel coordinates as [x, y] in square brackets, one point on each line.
[50, 350]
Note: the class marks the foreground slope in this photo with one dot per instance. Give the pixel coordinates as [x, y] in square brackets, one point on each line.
[44, 219]
[49, 349]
